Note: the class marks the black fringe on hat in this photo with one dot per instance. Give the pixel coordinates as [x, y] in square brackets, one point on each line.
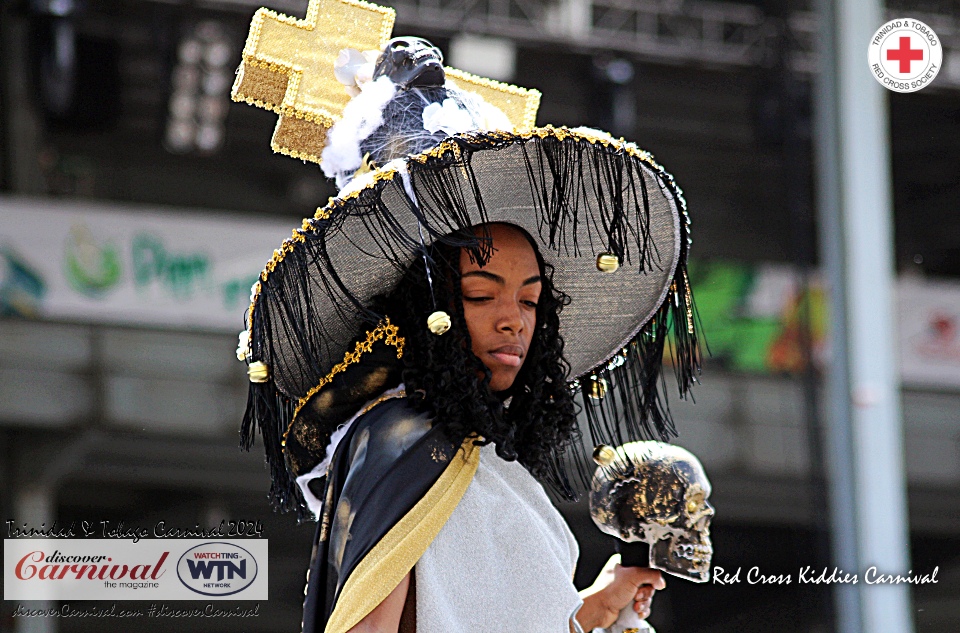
[625, 397]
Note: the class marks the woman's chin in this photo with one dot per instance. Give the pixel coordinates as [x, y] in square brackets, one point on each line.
[500, 383]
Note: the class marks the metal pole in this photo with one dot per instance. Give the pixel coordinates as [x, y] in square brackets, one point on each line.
[865, 434]
[838, 441]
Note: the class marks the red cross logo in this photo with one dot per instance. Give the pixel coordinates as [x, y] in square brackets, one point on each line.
[905, 55]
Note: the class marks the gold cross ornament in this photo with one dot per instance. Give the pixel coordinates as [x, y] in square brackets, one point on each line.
[287, 68]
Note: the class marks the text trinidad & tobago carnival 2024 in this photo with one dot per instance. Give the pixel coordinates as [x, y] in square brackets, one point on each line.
[109, 529]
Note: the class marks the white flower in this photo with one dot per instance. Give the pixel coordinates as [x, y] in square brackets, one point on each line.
[448, 117]
[243, 345]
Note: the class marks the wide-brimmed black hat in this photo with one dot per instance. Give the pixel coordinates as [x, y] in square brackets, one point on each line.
[609, 220]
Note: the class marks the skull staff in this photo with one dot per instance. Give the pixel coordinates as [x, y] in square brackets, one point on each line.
[655, 494]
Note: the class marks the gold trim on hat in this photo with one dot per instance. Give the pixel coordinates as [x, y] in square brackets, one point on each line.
[385, 331]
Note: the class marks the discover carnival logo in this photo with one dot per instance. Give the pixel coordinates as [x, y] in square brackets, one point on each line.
[150, 569]
[905, 55]
[217, 569]
[57, 566]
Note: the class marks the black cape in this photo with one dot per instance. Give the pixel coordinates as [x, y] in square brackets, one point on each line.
[393, 482]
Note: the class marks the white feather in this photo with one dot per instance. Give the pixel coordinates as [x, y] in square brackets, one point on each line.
[362, 115]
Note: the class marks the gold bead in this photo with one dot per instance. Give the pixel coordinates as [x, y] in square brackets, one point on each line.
[258, 371]
[439, 322]
[604, 455]
[598, 388]
[607, 263]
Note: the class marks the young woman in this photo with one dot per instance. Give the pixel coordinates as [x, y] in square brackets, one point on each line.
[415, 348]
[504, 559]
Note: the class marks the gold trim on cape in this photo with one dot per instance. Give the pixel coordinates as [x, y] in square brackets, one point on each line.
[382, 569]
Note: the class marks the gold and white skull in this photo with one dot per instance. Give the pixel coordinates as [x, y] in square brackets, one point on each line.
[657, 493]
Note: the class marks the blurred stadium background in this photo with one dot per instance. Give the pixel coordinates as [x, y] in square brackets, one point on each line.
[137, 205]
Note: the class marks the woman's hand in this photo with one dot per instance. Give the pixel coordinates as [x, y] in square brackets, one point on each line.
[615, 588]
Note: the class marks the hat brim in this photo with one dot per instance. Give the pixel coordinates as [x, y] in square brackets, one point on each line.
[579, 194]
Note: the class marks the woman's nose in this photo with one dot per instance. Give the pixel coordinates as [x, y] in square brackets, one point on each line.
[509, 317]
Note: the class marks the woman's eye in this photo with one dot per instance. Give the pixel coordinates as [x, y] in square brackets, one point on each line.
[532, 304]
[476, 299]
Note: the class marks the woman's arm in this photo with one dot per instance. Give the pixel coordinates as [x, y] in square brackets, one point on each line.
[614, 589]
[385, 618]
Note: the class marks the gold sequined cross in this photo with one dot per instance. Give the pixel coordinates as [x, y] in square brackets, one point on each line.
[287, 68]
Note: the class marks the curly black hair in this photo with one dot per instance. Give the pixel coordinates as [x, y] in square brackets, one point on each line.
[444, 377]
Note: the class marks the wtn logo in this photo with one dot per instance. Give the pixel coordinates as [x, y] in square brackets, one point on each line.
[217, 569]
[225, 569]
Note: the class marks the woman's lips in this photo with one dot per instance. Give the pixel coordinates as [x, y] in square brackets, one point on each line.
[511, 355]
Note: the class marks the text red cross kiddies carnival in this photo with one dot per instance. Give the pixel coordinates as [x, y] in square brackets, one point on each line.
[905, 54]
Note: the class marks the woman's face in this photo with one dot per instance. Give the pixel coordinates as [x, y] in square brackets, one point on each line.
[500, 303]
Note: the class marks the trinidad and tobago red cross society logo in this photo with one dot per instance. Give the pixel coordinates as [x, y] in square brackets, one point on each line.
[905, 55]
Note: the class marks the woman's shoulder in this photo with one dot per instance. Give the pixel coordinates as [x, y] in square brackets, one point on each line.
[389, 425]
